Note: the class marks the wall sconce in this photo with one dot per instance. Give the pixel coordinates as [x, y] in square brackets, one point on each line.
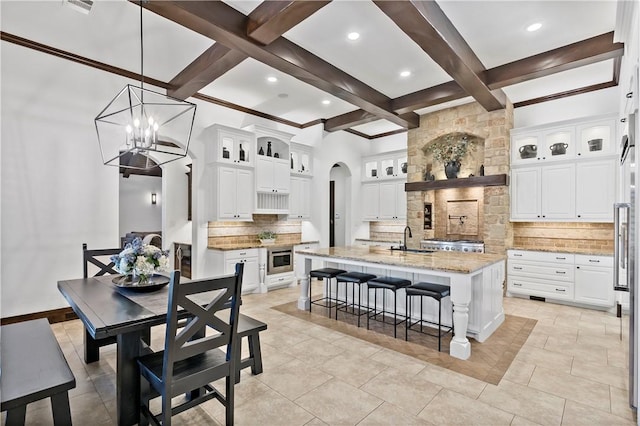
[154, 198]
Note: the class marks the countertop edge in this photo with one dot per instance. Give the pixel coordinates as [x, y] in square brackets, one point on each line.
[248, 246]
[585, 253]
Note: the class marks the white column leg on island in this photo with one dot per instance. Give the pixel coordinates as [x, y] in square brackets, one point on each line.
[460, 346]
[304, 301]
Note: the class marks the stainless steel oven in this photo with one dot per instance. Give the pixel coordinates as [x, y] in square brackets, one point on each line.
[280, 259]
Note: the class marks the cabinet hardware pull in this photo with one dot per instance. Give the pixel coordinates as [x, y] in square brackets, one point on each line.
[243, 254]
[623, 120]
[594, 260]
[519, 268]
[560, 289]
[280, 279]
[561, 258]
[629, 95]
[579, 215]
[517, 254]
[517, 284]
[577, 267]
[560, 272]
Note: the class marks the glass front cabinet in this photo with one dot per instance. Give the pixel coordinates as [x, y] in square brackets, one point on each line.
[391, 165]
[300, 159]
[226, 145]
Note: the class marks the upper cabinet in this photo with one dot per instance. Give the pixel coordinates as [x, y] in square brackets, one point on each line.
[391, 165]
[300, 159]
[226, 145]
[593, 137]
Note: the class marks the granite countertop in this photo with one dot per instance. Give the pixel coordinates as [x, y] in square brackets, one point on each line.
[588, 252]
[257, 244]
[377, 240]
[438, 261]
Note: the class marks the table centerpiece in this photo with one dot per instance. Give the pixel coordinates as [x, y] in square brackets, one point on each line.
[140, 263]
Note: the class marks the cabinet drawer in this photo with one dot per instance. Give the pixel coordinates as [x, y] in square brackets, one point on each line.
[550, 289]
[541, 256]
[597, 261]
[241, 254]
[541, 270]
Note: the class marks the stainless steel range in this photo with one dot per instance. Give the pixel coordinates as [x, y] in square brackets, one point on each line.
[443, 244]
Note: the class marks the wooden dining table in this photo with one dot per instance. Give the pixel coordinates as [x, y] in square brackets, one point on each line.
[108, 310]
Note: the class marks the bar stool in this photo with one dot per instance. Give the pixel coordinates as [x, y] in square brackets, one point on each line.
[435, 291]
[355, 278]
[386, 283]
[326, 274]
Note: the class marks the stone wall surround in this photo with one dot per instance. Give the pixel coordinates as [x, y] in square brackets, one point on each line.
[386, 231]
[229, 233]
[491, 130]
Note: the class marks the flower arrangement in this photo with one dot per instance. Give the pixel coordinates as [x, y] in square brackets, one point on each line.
[141, 260]
[447, 150]
[267, 236]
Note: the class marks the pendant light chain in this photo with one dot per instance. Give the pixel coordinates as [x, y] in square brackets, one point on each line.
[141, 51]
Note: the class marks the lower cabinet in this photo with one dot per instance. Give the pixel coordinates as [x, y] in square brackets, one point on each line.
[577, 278]
[227, 259]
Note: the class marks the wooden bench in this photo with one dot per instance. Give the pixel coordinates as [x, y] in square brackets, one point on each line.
[33, 367]
[250, 328]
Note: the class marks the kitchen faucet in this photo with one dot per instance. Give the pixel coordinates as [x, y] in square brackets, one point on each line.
[404, 235]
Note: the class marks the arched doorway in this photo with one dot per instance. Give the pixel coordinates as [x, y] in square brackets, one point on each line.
[339, 205]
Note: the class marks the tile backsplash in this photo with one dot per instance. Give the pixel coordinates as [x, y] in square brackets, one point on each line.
[386, 231]
[224, 233]
[569, 236]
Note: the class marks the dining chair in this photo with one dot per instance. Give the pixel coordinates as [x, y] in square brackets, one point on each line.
[192, 360]
[101, 259]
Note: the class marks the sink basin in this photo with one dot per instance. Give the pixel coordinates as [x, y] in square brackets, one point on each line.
[410, 250]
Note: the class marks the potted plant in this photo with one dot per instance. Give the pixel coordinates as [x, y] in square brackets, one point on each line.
[449, 151]
[267, 237]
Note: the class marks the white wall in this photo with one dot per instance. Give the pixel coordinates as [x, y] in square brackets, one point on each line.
[136, 211]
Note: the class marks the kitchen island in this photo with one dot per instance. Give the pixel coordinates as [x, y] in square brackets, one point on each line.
[476, 281]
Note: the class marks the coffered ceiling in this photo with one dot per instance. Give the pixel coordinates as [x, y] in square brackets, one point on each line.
[293, 61]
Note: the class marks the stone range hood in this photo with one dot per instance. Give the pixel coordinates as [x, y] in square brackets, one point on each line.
[482, 200]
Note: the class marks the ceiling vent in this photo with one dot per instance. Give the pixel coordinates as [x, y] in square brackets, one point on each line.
[83, 6]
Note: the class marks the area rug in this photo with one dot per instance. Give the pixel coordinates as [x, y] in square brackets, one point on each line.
[489, 360]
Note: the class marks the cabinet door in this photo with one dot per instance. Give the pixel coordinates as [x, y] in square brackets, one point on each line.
[387, 200]
[525, 193]
[264, 174]
[250, 275]
[305, 199]
[559, 144]
[227, 182]
[595, 192]
[370, 201]
[401, 201]
[558, 189]
[295, 198]
[597, 139]
[281, 177]
[594, 286]
[525, 149]
[244, 194]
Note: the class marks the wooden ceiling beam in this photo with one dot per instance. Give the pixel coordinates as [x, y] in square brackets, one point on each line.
[427, 25]
[435, 95]
[271, 19]
[559, 95]
[579, 54]
[227, 26]
[213, 63]
[352, 119]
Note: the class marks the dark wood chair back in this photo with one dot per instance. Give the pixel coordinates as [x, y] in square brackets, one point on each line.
[99, 258]
[192, 358]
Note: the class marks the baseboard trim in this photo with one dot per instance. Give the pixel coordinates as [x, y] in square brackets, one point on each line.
[53, 316]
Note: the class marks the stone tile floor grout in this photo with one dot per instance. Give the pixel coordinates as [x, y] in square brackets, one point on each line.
[392, 376]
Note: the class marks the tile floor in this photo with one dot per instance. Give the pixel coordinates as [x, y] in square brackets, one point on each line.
[571, 370]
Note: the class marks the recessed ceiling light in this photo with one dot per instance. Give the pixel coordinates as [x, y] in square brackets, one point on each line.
[405, 73]
[272, 79]
[283, 95]
[326, 102]
[353, 36]
[534, 27]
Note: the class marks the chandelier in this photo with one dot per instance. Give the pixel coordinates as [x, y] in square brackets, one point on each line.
[142, 129]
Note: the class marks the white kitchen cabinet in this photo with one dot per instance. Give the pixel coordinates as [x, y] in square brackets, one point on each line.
[272, 175]
[557, 192]
[525, 193]
[300, 198]
[370, 201]
[301, 159]
[226, 145]
[401, 201]
[387, 209]
[524, 147]
[250, 275]
[594, 280]
[597, 138]
[577, 278]
[558, 144]
[595, 194]
[390, 165]
[233, 198]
